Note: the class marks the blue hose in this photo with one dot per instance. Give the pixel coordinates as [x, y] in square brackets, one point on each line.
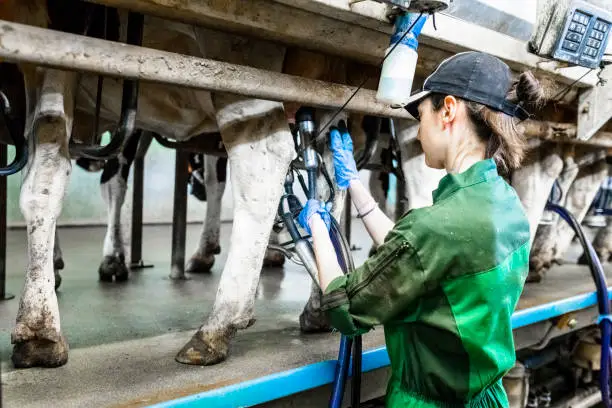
[339, 384]
[605, 322]
[344, 353]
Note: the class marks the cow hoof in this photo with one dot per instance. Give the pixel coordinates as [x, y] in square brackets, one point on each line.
[314, 322]
[534, 277]
[274, 259]
[58, 265]
[40, 353]
[113, 267]
[213, 249]
[203, 350]
[58, 279]
[603, 258]
[199, 264]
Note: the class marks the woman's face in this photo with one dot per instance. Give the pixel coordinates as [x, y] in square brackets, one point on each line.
[432, 135]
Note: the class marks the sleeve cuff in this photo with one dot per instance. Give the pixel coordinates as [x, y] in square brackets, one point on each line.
[335, 305]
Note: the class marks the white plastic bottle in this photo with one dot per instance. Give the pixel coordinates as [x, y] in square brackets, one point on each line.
[397, 74]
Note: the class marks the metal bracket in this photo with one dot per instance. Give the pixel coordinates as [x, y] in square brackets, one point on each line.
[595, 106]
[414, 6]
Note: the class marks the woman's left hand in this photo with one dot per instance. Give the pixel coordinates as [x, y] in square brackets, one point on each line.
[314, 207]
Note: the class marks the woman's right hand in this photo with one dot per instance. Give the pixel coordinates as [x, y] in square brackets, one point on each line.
[314, 207]
[341, 146]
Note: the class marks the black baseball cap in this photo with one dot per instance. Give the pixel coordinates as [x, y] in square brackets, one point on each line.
[473, 76]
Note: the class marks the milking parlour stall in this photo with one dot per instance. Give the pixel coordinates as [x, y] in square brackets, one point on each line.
[156, 157]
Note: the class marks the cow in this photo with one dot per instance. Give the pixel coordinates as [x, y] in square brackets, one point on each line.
[60, 109]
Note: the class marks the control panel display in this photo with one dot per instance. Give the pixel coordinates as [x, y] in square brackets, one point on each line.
[584, 38]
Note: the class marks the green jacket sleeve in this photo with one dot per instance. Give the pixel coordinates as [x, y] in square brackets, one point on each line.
[377, 291]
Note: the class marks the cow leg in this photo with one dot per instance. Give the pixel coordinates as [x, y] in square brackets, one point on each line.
[579, 187]
[272, 258]
[260, 148]
[37, 336]
[542, 250]
[215, 176]
[58, 261]
[113, 184]
[603, 242]
[534, 180]
[579, 199]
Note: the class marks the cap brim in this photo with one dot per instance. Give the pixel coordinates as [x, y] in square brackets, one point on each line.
[413, 103]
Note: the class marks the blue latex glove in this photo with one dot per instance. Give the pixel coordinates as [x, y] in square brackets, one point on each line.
[311, 208]
[341, 146]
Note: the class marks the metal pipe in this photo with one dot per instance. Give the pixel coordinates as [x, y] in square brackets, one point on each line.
[129, 105]
[179, 215]
[546, 339]
[587, 402]
[541, 359]
[137, 206]
[208, 143]
[580, 401]
[400, 185]
[3, 209]
[137, 203]
[372, 131]
[23, 43]
[347, 217]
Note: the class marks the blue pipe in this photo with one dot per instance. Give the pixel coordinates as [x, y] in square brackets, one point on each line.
[605, 322]
[342, 367]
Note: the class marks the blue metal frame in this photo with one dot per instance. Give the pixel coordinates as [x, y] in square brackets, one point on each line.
[285, 383]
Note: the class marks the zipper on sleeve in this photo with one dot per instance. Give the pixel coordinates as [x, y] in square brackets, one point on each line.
[379, 268]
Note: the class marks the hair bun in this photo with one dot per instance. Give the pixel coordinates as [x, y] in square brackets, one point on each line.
[529, 92]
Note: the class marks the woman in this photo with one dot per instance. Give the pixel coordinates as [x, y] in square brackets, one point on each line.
[445, 279]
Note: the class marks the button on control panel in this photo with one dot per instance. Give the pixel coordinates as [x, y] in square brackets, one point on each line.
[584, 37]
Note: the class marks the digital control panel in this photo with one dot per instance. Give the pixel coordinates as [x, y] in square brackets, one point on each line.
[584, 38]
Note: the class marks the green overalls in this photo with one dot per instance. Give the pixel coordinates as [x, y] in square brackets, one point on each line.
[444, 284]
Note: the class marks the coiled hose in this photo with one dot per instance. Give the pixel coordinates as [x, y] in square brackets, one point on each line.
[603, 303]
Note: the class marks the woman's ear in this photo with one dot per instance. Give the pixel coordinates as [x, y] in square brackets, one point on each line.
[449, 109]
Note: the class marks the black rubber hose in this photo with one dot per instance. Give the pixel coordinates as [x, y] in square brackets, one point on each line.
[371, 127]
[129, 105]
[21, 144]
[329, 181]
[302, 182]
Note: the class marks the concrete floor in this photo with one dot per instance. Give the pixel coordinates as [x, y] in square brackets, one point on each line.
[123, 337]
